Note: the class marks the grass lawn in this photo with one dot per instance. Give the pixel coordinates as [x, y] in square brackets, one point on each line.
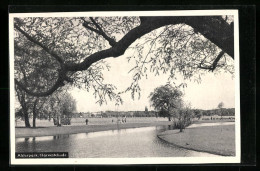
[212, 121]
[54, 130]
[213, 139]
[93, 121]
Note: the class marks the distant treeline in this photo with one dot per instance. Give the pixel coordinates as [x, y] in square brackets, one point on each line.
[108, 114]
[224, 111]
[197, 112]
[129, 113]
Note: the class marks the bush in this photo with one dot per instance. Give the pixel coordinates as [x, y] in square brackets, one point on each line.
[181, 124]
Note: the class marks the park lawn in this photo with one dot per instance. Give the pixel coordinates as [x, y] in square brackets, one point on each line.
[211, 121]
[212, 139]
[54, 130]
[93, 121]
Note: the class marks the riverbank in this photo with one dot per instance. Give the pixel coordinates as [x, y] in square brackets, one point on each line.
[218, 139]
[22, 132]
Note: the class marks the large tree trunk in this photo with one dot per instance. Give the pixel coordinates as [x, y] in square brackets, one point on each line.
[49, 117]
[26, 119]
[25, 115]
[22, 101]
[181, 125]
[34, 112]
[34, 118]
[169, 117]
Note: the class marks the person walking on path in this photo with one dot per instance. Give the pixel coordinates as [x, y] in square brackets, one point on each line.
[86, 121]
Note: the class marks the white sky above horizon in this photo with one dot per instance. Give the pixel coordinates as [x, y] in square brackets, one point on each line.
[213, 89]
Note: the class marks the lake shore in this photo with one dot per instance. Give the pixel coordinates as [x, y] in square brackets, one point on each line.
[218, 139]
[22, 132]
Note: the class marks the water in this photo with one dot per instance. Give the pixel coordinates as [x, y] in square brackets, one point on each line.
[136, 142]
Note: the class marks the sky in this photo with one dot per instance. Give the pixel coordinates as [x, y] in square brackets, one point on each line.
[213, 89]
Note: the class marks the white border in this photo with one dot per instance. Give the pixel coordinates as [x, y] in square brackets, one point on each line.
[113, 161]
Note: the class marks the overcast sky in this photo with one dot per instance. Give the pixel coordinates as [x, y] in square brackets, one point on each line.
[207, 95]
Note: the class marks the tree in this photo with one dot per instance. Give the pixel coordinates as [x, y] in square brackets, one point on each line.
[68, 105]
[184, 116]
[62, 51]
[220, 106]
[164, 99]
[43, 106]
[198, 113]
[146, 111]
[24, 103]
[205, 113]
[62, 106]
[37, 107]
[29, 104]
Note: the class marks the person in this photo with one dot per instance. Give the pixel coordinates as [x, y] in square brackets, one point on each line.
[125, 119]
[86, 121]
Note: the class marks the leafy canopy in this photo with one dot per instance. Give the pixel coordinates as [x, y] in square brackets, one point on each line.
[51, 52]
[165, 99]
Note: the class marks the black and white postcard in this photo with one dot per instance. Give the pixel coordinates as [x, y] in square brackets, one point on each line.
[129, 87]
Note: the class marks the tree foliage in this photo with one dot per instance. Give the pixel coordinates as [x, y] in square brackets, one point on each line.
[67, 104]
[220, 106]
[51, 52]
[59, 103]
[184, 116]
[165, 99]
[29, 106]
[168, 101]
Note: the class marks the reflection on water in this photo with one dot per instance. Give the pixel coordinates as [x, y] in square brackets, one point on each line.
[134, 142]
[56, 137]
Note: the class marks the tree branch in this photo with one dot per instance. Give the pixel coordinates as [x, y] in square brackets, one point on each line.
[120, 47]
[203, 25]
[53, 54]
[58, 83]
[214, 64]
[215, 29]
[44, 100]
[100, 31]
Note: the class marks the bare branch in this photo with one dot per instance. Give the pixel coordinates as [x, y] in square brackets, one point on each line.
[217, 59]
[100, 31]
[214, 64]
